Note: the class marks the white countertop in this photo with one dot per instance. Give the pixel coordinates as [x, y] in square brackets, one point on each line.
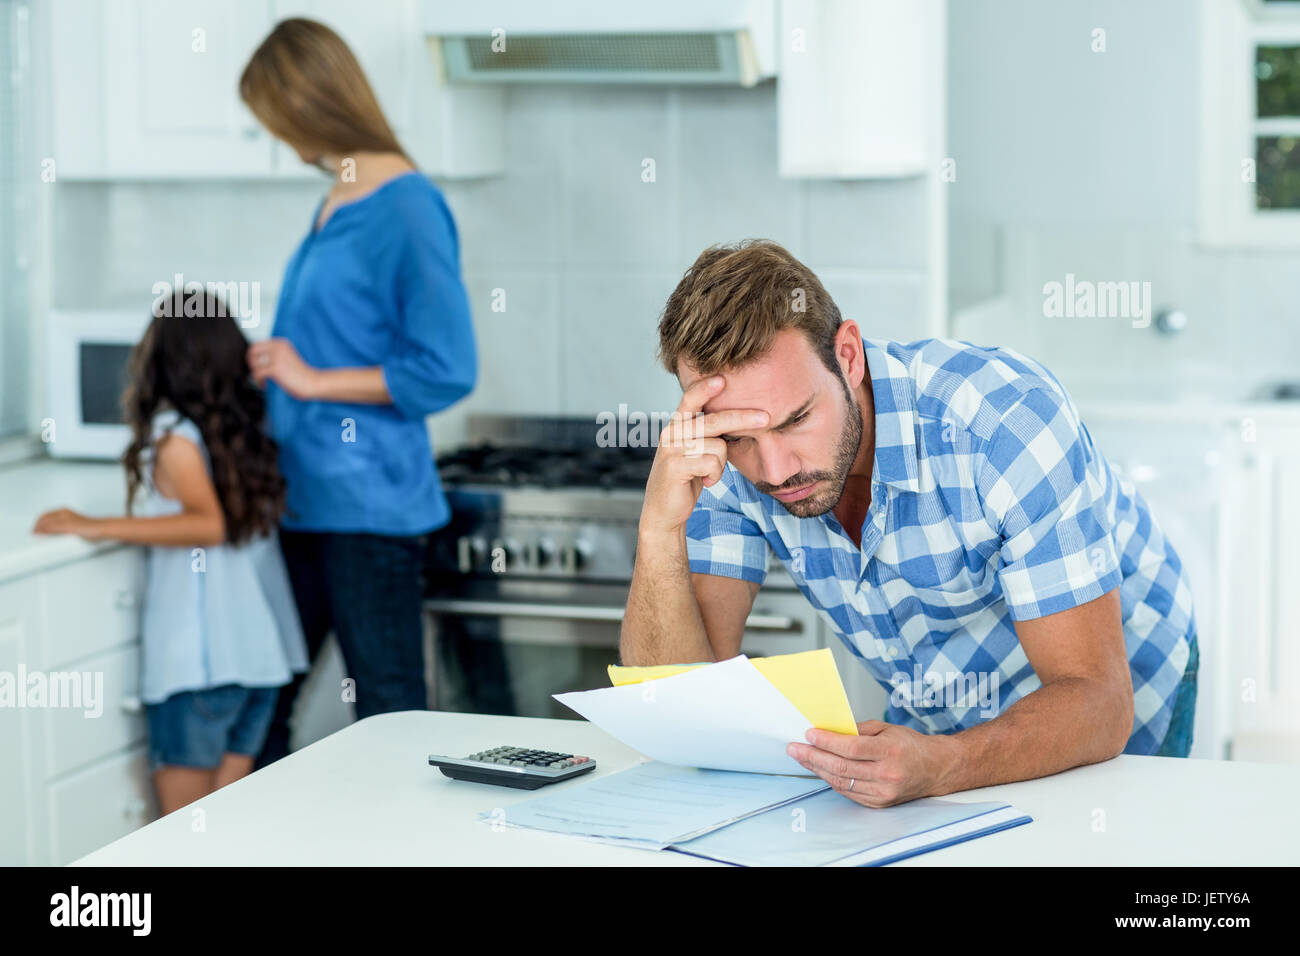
[1192, 411]
[29, 488]
[366, 795]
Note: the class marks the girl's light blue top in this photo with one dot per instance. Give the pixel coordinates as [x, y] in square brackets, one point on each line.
[378, 285]
[218, 615]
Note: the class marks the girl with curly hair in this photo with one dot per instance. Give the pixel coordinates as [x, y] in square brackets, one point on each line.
[219, 630]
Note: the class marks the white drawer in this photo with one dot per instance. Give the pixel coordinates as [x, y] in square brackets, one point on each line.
[75, 739]
[92, 605]
[19, 610]
[99, 805]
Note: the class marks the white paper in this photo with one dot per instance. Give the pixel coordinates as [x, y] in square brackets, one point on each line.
[726, 716]
[654, 804]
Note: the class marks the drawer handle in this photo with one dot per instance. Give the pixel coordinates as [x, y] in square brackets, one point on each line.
[132, 705]
[126, 600]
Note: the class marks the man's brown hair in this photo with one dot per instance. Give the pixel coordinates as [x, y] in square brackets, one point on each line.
[733, 301]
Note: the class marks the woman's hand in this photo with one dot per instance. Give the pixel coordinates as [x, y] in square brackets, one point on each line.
[66, 521]
[276, 359]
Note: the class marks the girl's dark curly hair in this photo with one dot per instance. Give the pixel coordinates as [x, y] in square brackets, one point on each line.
[192, 359]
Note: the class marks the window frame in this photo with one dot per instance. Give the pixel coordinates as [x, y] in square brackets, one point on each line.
[1230, 32]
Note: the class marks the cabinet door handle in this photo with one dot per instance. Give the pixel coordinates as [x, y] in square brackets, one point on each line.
[132, 705]
[134, 809]
[126, 600]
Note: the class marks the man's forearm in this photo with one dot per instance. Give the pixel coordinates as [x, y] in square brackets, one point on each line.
[662, 624]
[1057, 727]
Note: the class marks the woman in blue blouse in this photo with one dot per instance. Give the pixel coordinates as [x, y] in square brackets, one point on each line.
[372, 333]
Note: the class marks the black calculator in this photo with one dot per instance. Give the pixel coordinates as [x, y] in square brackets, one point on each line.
[516, 767]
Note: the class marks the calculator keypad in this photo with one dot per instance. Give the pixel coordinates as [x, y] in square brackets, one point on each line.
[521, 757]
[517, 767]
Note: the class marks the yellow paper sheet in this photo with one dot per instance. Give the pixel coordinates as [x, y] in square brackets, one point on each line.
[809, 680]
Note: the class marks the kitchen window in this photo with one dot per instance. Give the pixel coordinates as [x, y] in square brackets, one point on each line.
[1250, 145]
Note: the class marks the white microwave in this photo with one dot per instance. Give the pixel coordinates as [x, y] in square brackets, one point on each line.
[86, 373]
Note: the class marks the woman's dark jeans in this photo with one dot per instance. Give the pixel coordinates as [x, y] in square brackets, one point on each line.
[1178, 739]
[365, 588]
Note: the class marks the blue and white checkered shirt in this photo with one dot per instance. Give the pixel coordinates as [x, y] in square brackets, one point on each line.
[989, 505]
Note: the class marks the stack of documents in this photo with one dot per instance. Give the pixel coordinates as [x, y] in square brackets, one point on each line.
[723, 787]
[751, 819]
[737, 714]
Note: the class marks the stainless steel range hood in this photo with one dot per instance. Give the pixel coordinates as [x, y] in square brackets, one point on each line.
[671, 42]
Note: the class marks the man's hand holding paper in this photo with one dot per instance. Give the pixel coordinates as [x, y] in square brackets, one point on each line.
[882, 765]
[738, 714]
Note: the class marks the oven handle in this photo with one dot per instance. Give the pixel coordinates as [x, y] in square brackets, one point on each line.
[579, 612]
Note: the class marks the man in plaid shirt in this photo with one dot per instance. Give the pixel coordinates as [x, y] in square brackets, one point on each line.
[942, 506]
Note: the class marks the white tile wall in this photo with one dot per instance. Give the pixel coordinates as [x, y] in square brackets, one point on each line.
[585, 249]
[1077, 161]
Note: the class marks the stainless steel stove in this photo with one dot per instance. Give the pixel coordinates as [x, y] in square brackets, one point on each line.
[527, 584]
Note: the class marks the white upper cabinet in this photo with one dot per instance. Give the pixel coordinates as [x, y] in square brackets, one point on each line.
[148, 89]
[860, 87]
[160, 81]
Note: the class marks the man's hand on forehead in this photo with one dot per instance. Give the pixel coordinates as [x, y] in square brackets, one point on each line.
[691, 425]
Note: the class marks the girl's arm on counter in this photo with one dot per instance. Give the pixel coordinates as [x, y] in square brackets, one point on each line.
[180, 473]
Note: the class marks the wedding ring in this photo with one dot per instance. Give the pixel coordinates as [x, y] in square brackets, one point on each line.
[851, 783]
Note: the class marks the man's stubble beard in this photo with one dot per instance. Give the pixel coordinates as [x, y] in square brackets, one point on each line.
[846, 453]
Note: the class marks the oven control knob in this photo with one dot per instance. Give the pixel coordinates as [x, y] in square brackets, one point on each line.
[582, 555]
[546, 552]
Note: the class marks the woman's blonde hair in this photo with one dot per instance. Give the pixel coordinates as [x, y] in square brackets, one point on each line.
[307, 88]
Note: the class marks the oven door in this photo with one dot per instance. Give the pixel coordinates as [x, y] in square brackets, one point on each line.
[508, 655]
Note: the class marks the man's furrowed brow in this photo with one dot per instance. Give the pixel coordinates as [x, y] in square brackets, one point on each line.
[794, 415]
[790, 419]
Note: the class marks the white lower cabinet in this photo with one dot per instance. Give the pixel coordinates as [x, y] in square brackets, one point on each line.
[1261, 683]
[91, 606]
[97, 805]
[1225, 487]
[19, 616]
[77, 737]
[72, 733]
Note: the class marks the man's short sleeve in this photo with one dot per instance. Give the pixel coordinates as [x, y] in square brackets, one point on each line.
[721, 539]
[1044, 489]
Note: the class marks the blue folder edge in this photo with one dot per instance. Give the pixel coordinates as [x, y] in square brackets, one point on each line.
[1005, 825]
[973, 835]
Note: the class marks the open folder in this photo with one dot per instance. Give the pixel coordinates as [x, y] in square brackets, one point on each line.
[750, 819]
[737, 714]
[704, 722]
